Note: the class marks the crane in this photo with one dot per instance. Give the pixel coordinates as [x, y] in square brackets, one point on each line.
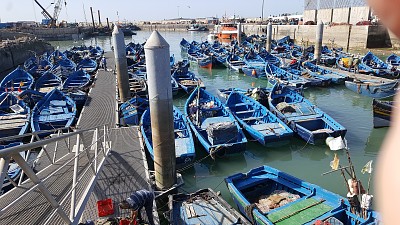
[57, 9]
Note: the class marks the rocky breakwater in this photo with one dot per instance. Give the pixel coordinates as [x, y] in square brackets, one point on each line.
[15, 52]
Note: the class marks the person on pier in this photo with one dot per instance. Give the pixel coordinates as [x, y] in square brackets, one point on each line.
[138, 200]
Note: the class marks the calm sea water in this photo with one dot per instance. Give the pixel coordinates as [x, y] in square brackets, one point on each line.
[296, 157]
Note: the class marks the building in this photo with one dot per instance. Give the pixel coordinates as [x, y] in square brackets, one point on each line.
[207, 20]
[337, 11]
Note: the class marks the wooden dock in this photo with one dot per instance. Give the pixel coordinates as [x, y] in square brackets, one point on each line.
[124, 171]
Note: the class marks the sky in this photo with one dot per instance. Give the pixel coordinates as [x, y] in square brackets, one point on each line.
[144, 10]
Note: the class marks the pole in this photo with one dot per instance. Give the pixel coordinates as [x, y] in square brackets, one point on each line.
[239, 33]
[269, 37]
[98, 12]
[262, 12]
[108, 24]
[318, 41]
[161, 114]
[121, 65]
[91, 12]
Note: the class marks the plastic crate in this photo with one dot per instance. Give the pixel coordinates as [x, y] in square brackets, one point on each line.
[127, 222]
[105, 207]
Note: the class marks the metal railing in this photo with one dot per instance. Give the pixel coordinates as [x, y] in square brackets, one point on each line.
[81, 176]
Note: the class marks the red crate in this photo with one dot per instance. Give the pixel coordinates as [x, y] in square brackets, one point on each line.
[105, 207]
[127, 222]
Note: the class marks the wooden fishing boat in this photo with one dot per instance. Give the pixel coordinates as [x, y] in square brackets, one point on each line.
[185, 45]
[303, 117]
[132, 110]
[278, 75]
[200, 58]
[225, 92]
[342, 63]
[36, 66]
[175, 86]
[78, 96]
[63, 68]
[47, 82]
[268, 196]
[255, 65]
[137, 86]
[257, 120]
[88, 65]
[184, 144]
[337, 78]
[187, 80]
[203, 207]
[31, 97]
[17, 81]
[235, 63]
[77, 80]
[269, 58]
[379, 67]
[382, 112]
[393, 60]
[55, 110]
[197, 27]
[213, 124]
[373, 88]
[13, 170]
[14, 115]
[313, 80]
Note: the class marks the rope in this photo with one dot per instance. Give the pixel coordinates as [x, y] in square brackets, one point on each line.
[298, 211]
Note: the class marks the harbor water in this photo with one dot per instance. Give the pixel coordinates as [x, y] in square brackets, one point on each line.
[295, 157]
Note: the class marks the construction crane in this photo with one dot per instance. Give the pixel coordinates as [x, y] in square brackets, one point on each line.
[57, 9]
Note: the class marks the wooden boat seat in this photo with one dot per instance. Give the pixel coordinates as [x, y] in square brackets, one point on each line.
[246, 111]
[212, 120]
[322, 131]
[253, 118]
[54, 118]
[242, 104]
[59, 103]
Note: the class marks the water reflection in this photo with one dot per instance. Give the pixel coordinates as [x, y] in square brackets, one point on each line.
[374, 141]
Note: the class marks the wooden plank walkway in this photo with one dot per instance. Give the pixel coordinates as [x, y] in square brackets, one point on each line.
[358, 76]
[124, 171]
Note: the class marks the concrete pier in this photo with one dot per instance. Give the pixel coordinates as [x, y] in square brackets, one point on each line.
[162, 118]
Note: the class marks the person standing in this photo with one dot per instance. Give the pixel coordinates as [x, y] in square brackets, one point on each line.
[138, 200]
[104, 63]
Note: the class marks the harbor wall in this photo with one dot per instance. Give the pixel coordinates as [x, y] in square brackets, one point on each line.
[14, 53]
[56, 34]
[346, 36]
[170, 27]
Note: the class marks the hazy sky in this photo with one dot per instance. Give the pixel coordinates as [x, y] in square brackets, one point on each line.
[134, 10]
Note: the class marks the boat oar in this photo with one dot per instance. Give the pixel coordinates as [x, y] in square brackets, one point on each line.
[198, 105]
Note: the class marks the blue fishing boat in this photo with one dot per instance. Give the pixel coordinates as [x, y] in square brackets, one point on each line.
[63, 68]
[17, 81]
[137, 85]
[13, 170]
[268, 196]
[255, 65]
[257, 120]
[234, 62]
[213, 124]
[200, 58]
[313, 80]
[337, 78]
[393, 60]
[78, 96]
[36, 66]
[303, 117]
[343, 62]
[279, 75]
[88, 65]
[203, 207]
[175, 86]
[185, 45]
[77, 80]
[184, 144]
[14, 115]
[172, 60]
[31, 97]
[47, 82]
[382, 112]
[225, 92]
[132, 110]
[373, 88]
[187, 80]
[379, 67]
[269, 58]
[55, 110]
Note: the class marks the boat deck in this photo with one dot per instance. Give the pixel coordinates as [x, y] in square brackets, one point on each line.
[124, 171]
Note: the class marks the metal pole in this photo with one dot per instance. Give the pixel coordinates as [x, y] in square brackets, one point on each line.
[96, 146]
[121, 65]
[162, 120]
[108, 24]
[74, 178]
[318, 41]
[35, 179]
[262, 12]
[91, 12]
[98, 12]
[269, 37]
